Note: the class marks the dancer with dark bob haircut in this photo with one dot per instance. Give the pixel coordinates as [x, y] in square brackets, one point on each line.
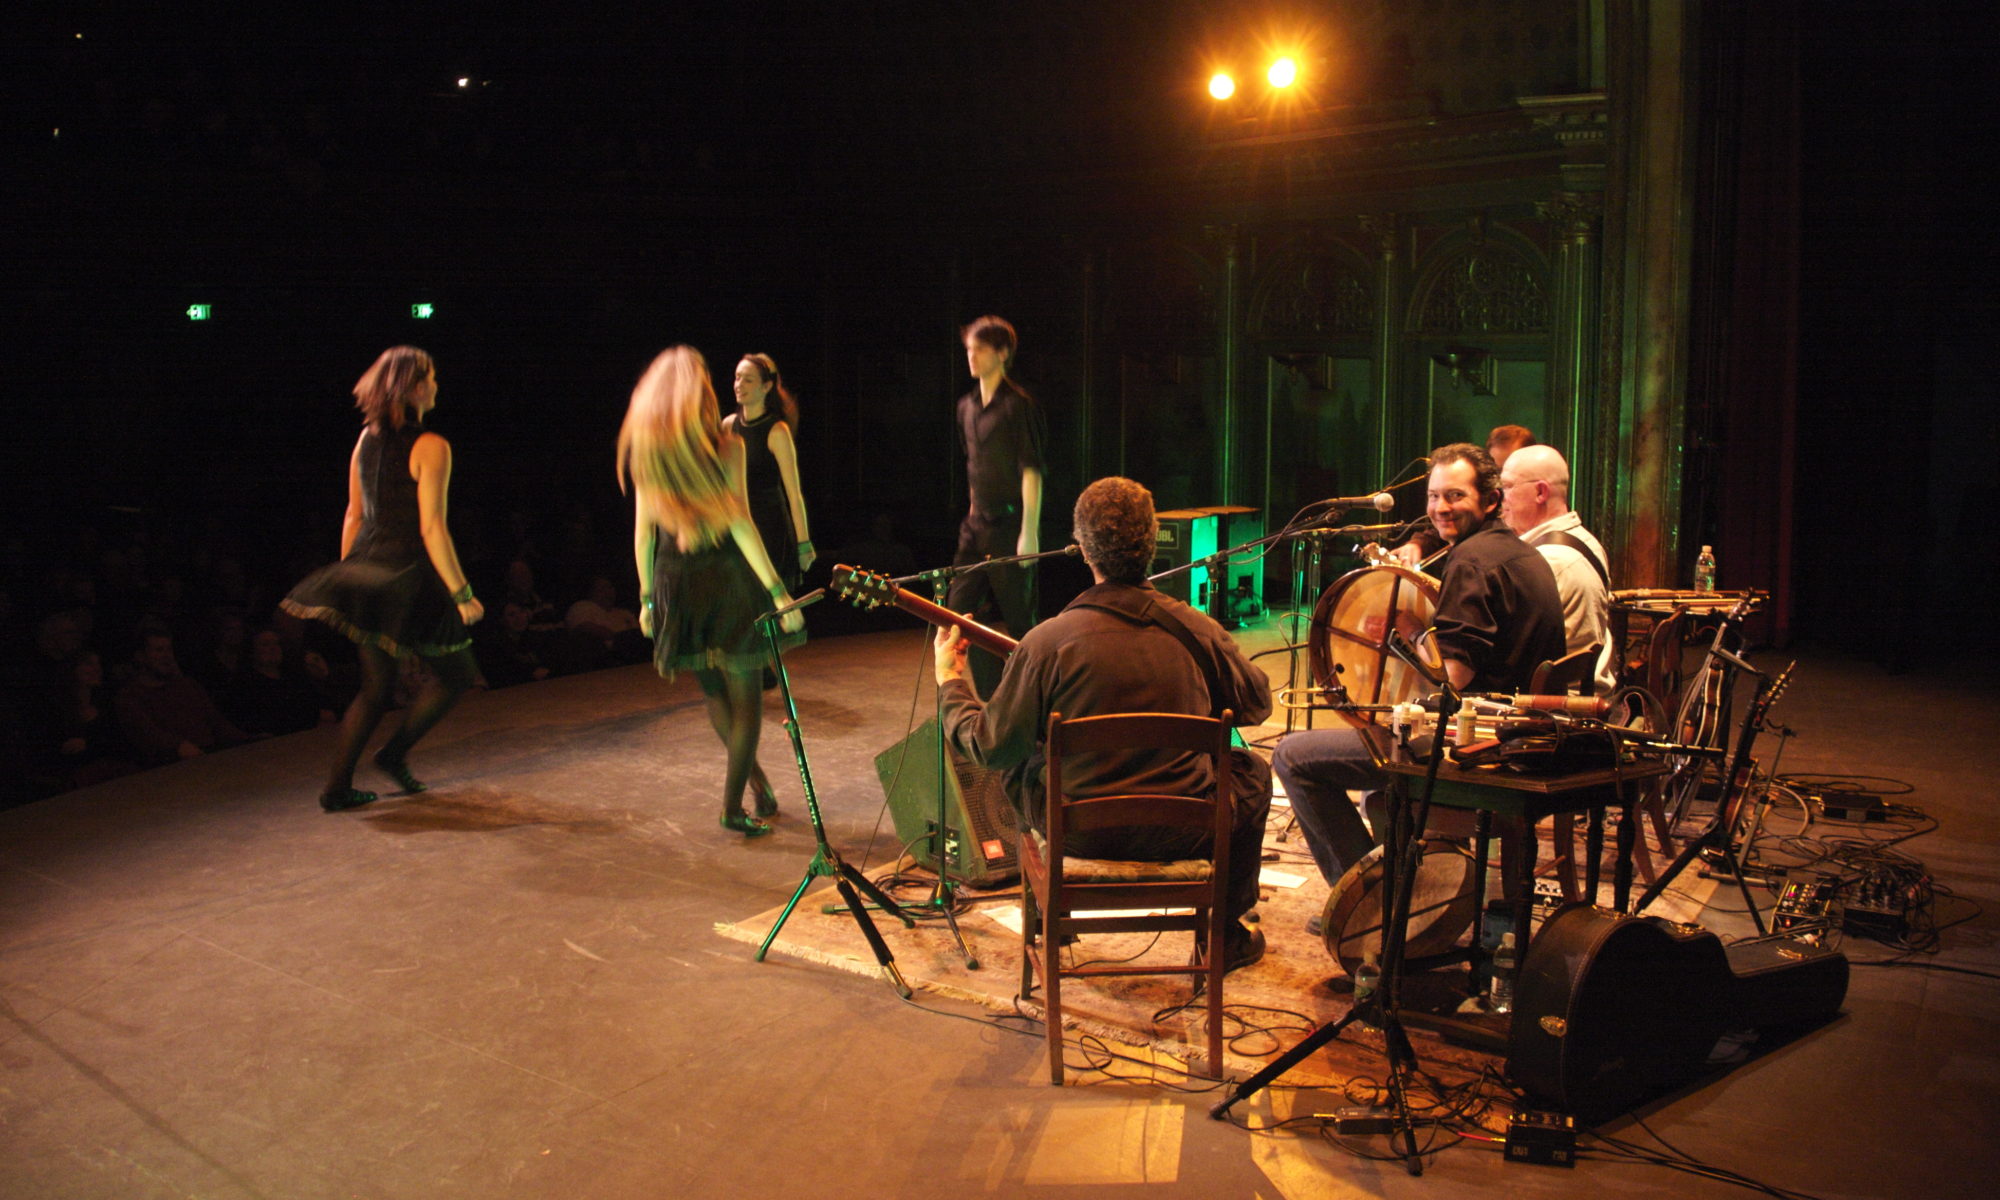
[398, 590]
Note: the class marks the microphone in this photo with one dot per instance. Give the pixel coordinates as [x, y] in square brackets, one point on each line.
[1380, 502]
[1575, 706]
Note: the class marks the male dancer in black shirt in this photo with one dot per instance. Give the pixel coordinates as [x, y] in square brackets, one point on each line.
[1000, 428]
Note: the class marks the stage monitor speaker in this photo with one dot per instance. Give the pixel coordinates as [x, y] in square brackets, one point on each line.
[982, 851]
[1186, 534]
[1190, 534]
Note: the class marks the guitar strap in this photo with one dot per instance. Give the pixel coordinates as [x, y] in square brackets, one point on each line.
[1565, 538]
[1141, 607]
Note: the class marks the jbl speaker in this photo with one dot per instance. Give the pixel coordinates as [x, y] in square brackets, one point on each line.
[981, 849]
[1186, 534]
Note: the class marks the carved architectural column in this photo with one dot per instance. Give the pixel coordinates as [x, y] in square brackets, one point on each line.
[1228, 346]
[1577, 218]
[1649, 203]
[1385, 230]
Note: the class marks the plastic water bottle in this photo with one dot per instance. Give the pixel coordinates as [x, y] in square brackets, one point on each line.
[1500, 992]
[1704, 570]
[1367, 975]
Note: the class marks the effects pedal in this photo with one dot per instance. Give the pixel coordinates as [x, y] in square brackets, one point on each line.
[1360, 1122]
[1547, 1138]
[1877, 907]
[1807, 902]
[1548, 895]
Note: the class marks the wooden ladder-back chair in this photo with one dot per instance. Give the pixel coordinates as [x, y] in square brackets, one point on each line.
[1057, 888]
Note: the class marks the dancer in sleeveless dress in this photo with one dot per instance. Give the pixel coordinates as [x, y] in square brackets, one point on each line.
[398, 590]
[767, 419]
[704, 575]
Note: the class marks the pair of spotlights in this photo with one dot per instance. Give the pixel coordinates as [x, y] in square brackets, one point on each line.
[1283, 73]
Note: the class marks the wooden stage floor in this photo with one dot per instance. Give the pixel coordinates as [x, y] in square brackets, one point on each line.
[512, 986]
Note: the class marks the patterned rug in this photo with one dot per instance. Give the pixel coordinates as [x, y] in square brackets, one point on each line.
[1271, 1006]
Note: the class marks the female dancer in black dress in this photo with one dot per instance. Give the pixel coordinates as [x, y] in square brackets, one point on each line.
[397, 590]
[704, 576]
[767, 419]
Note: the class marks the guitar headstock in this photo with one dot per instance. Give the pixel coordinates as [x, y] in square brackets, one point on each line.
[862, 588]
[1778, 686]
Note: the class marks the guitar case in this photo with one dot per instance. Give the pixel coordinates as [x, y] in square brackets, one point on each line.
[1782, 983]
[1611, 1010]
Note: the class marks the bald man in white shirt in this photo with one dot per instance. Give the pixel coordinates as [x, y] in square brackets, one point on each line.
[1534, 501]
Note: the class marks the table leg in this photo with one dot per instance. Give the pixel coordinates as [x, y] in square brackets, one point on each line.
[1593, 849]
[1621, 873]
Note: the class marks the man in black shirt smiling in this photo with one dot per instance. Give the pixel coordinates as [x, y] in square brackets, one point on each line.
[1498, 618]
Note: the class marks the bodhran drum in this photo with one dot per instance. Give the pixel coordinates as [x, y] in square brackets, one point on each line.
[1443, 903]
[1348, 645]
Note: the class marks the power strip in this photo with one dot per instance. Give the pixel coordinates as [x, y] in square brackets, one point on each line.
[1852, 806]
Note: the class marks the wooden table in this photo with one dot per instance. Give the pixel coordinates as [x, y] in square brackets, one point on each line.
[1521, 801]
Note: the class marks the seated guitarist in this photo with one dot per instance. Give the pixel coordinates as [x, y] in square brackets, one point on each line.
[1121, 647]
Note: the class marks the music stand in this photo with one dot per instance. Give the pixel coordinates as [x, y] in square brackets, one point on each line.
[826, 861]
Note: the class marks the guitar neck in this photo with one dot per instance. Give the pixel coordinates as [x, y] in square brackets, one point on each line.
[983, 636]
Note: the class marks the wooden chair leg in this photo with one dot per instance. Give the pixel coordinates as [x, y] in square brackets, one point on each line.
[1052, 997]
[1218, 965]
[1030, 924]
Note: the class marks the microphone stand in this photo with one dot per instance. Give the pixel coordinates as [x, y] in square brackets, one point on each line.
[1402, 848]
[826, 861]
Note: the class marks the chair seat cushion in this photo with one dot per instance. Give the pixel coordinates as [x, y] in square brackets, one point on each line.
[1120, 870]
[1127, 870]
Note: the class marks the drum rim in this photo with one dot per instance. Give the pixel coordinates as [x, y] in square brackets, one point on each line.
[1319, 652]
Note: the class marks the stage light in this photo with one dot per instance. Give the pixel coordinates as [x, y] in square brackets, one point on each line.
[464, 81]
[1284, 73]
[1221, 86]
[423, 312]
[199, 312]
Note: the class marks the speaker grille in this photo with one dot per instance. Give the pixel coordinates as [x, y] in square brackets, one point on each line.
[983, 848]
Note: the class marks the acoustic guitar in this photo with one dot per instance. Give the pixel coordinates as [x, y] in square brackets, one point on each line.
[870, 589]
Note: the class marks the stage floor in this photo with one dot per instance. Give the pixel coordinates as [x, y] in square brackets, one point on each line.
[513, 985]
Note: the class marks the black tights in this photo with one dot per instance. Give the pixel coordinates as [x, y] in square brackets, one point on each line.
[736, 709]
[453, 673]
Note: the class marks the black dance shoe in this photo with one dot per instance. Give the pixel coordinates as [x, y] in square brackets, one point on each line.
[749, 827]
[398, 770]
[341, 801]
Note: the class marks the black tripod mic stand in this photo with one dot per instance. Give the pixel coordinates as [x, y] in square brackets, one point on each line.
[1382, 1009]
[826, 861]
